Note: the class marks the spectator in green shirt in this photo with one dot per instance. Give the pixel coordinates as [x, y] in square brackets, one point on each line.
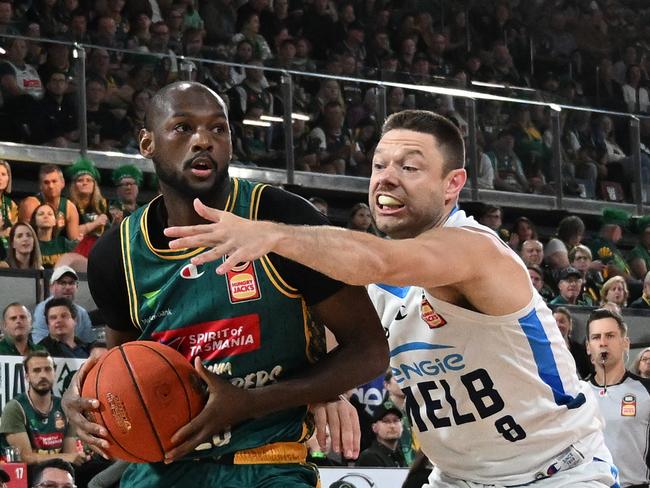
[639, 257]
[17, 326]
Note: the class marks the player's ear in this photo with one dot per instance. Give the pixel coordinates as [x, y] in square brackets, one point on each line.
[455, 180]
[147, 144]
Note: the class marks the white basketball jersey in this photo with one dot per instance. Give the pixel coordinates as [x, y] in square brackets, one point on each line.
[493, 399]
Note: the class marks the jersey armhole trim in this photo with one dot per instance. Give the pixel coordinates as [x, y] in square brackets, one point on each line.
[125, 241]
[273, 274]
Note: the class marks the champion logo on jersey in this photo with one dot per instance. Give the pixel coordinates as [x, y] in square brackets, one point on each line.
[628, 406]
[401, 313]
[190, 272]
[432, 318]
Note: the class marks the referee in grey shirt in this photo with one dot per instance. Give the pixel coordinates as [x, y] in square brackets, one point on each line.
[624, 397]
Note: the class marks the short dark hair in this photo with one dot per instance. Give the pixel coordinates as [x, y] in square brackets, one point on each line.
[60, 302]
[12, 304]
[49, 75]
[604, 313]
[35, 354]
[488, 209]
[446, 134]
[570, 226]
[51, 463]
[46, 169]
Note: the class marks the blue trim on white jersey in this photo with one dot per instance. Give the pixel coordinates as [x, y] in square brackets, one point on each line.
[398, 291]
[546, 366]
[453, 211]
[612, 469]
[417, 346]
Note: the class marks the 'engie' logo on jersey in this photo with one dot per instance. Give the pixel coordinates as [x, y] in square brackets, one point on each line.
[242, 283]
[428, 367]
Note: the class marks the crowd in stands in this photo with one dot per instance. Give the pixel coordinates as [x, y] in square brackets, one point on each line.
[587, 53]
[574, 268]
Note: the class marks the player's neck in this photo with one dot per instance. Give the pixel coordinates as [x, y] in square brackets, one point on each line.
[183, 207]
[614, 374]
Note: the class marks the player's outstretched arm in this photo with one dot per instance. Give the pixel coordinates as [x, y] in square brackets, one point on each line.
[438, 257]
[350, 315]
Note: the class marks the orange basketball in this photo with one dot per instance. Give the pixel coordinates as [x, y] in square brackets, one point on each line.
[146, 392]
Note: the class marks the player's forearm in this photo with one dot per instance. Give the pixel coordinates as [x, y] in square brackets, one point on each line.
[356, 258]
[341, 370]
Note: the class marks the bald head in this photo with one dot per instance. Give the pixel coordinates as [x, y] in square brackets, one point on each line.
[167, 96]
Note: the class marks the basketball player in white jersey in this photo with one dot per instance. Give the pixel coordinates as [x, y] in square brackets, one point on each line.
[490, 387]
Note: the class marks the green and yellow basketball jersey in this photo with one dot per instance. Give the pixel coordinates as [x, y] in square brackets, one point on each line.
[249, 326]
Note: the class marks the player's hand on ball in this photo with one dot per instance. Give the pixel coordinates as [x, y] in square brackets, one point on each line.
[227, 405]
[74, 407]
[241, 239]
[343, 422]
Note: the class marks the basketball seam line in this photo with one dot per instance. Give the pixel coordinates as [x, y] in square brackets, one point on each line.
[101, 365]
[142, 402]
[180, 380]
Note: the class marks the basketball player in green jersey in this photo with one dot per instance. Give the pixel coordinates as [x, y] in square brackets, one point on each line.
[253, 327]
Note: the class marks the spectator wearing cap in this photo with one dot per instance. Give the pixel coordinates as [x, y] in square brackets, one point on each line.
[394, 393]
[643, 301]
[570, 286]
[16, 328]
[86, 195]
[604, 246]
[385, 450]
[127, 178]
[61, 341]
[93, 211]
[63, 284]
[639, 257]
